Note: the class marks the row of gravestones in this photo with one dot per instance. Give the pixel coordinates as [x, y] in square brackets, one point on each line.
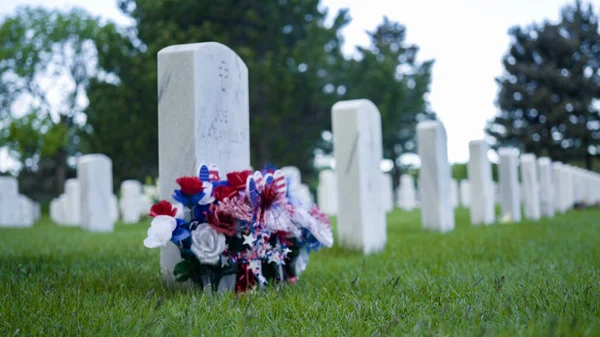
[327, 192]
[88, 200]
[203, 117]
[16, 210]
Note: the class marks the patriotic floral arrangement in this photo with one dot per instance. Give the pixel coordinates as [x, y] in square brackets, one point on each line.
[247, 228]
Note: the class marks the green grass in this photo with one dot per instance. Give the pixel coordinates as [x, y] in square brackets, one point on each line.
[527, 279]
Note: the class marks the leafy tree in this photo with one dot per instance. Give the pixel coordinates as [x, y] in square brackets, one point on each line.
[47, 59]
[388, 74]
[548, 93]
[291, 58]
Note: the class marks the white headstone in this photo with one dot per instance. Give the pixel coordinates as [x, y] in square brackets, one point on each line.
[387, 192]
[62, 210]
[454, 193]
[72, 211]
[434, 177]
[578, 185]
[203, 99]
[465, 193]
[546, 187]
[509, 184]
[482, 187]
[26, 213]
[37, 211]
[357, 145]
[145, 205]
[530, 186]
[55, 210]
[497, 194]
[9, 202]
[94, 172]
[293, 175]
[114, 208]
[327, 192]
[569, 186]
[407, 199]
[559, 183]
[131, 194]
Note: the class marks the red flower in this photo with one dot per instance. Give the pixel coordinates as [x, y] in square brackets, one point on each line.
[222, 192]
[221, 222]
[190, 185]
[162, 208]
[283, 238]
[238, 179]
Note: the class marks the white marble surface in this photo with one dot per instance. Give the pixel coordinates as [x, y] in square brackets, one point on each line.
[509, 183]
[529, 175]
[407, 195]
[482, 187]
[454, 193]
[37, 211]
[94, 172]
[203, 100]
[434, 177]
[546, 187]
[9, 202]
[54, 210]
[114, 208]
[569, 186]
[145, 205]
[559, 185]
[327, 192]
[293, 175]
[26, 212]
[72, 205]
[465, 193]
[61, 215]
[387, 192]
[131, 193]
[361, 221]
[578, 185]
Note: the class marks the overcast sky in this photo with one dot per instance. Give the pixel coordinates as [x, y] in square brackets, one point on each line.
[467, 39]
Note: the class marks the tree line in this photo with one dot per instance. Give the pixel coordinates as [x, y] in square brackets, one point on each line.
[72, 83]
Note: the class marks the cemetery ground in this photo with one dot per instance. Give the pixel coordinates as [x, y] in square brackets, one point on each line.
[527, 279]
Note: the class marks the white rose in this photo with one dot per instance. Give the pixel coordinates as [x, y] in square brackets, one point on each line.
[207, 244]
[160, 231]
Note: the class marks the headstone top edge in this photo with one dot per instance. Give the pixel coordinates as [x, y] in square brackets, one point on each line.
[528, 157]
[87, 157]
[431, 124]
[477, 142]
[510, 151]
[354, 104]
[544, 160]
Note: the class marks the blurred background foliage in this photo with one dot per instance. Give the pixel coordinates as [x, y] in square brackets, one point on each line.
[72, 83]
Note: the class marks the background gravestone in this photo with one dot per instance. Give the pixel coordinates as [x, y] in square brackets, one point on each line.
[482, 186]
[94, 172]
[509, 183]
[530, 186]
[327, 192]
[546, 187]
[434, 177]
[356, 126]
[9, 201]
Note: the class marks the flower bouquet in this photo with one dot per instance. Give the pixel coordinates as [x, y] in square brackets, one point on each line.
[244, 231]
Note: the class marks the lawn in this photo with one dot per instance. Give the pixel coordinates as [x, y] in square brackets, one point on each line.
[526, 279]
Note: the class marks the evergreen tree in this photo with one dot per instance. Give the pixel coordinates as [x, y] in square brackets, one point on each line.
[547, 94]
